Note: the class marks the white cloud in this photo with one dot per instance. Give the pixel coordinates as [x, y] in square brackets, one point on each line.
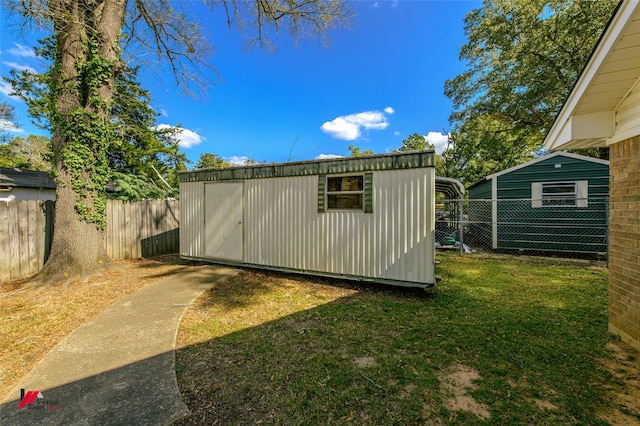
[396, 133]
[349, 127]
[342, 129]
[20, 67]
[237, 160]
[186, 138]
[438, 140]
[389, 110]
[8, 126]
[327, 156]
[6, 89]
[22, 51]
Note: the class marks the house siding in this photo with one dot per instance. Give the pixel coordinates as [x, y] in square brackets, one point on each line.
[627, 120]
[624, 246]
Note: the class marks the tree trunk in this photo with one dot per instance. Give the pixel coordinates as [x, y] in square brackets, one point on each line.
[77, 249]
[83, 82]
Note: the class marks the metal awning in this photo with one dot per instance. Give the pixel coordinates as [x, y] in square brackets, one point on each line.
[450, 187]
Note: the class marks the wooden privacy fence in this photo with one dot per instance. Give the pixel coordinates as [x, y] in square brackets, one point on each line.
[26, 228]
[134, 229]
[142, 228]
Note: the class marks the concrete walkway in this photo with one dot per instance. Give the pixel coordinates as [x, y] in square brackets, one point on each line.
[117, 368]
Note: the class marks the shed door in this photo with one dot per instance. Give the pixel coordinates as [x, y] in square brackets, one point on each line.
[223, 221]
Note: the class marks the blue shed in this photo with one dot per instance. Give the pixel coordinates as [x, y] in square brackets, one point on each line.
[554, 203]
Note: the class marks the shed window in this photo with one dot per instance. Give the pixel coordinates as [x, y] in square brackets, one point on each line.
[560, 194]
[345, 192]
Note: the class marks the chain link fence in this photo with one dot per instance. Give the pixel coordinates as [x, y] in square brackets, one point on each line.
[524, 225]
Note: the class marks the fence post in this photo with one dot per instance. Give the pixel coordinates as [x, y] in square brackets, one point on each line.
[461, 231]
[607, 227]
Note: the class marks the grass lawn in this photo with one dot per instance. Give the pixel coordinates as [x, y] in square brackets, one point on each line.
[502, 341]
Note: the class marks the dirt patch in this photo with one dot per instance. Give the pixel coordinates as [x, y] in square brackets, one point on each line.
[365, 362]
[624, 392]
[457, 381]
[544, 405]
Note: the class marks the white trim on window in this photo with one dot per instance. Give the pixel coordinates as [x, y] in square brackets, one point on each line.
[345, 192]
[560, 194]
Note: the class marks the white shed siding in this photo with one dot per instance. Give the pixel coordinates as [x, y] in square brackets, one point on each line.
[628, 115]
[191, 213]
[284, 229]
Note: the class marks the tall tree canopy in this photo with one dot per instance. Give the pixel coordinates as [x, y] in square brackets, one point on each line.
[138, 152]
[90, 39]
[356, 151]
[211, 161]
[523, 57]
[7, 115]
[416, 142]
[32, 152]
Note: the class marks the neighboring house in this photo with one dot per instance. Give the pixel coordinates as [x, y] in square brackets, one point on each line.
[20, 184]
[555, 203]
[367, 218]
[603, 110]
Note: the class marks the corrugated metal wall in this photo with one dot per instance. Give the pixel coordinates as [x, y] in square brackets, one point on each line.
[192, 219]
[283, 228]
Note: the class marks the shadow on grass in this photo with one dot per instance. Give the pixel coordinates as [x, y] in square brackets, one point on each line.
[374, 356]
[274, 350]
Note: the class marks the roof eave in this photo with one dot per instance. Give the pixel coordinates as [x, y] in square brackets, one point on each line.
[565, 132]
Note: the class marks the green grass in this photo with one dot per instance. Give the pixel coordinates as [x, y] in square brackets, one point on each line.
[272, 349]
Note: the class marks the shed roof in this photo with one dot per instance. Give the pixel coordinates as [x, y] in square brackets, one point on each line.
[538, 160]
[587, 118]
[392, 161]
[21, 178]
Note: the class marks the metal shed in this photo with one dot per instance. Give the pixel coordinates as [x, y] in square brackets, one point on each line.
[367, 218]
[553, 203]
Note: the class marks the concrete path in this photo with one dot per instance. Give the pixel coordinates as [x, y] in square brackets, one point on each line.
[117, 368]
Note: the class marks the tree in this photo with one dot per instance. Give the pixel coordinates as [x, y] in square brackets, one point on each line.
[142, 149]
[357, 152]
[128, 187]
[416, 142]
[89, 40]
[139, 149]
[32, 152]
[7, 116]
[211, 161]
[523, 58]
[481, 147]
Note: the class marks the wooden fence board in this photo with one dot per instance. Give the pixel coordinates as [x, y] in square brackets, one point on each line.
[142, 228]
[134, 229]
[14, 240]
[4, 242]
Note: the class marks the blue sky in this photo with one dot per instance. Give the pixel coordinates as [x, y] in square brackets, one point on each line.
[377, 83]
